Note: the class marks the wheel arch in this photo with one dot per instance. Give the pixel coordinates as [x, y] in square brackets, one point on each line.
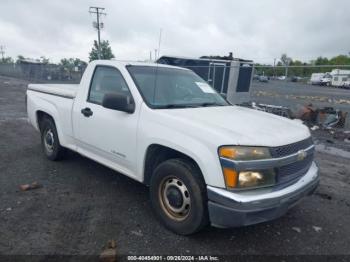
[157, 153]
[40, 115]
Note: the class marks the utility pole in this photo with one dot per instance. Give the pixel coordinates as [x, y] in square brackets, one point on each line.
[2, 51]
[274, 68]
[98, 11]
[287, 65]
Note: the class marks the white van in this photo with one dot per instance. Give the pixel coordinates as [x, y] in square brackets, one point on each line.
[316, 78]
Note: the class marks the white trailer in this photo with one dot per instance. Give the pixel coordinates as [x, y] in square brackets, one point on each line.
[340, 77]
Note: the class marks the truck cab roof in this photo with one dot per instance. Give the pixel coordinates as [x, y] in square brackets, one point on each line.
[133, 63]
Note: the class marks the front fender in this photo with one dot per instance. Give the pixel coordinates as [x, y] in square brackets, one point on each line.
[205, 155]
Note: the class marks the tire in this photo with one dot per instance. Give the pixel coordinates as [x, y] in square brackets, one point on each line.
[178, 184]
[49, 140]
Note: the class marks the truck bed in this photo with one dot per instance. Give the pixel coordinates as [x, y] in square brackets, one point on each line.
[63, 90]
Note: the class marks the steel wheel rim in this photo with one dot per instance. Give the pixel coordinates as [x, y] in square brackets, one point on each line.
[181, 209]
[49, 141]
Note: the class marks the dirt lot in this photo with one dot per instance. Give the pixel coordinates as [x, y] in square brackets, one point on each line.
[82, 205]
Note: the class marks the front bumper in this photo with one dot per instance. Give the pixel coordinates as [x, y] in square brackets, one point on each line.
[234, 209]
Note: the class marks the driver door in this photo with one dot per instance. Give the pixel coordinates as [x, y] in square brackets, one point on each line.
[106, 135]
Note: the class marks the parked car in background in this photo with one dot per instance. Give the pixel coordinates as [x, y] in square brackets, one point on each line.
[296, 79]
[326, 81]
[346, 84]
[281, 78]
[263, 79]
[316, 78]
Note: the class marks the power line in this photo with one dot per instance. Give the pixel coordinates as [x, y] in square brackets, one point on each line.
[299, 66]
[98, 11]
[277, 66]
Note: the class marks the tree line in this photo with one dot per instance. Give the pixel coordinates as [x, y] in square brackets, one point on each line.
[68, 63]
[303, 69]
[285, 65]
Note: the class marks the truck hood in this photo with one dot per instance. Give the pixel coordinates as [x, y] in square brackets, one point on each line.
[236, 126]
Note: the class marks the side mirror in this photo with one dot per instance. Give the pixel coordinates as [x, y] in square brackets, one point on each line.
[120, 102]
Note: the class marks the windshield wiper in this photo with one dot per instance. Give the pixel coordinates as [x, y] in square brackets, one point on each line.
[176, 106]
[189, 105]
[210, 104]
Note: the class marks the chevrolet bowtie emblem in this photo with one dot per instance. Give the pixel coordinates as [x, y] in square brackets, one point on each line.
[301, 155]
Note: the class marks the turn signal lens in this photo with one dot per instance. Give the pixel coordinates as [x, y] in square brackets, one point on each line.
[244, 153]
[228, 152]
[231, 177]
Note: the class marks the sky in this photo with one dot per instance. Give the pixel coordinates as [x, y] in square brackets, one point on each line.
[260, 30]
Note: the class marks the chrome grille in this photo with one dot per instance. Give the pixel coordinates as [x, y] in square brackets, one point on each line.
[290, 149]
[291, 172]
[294, 170]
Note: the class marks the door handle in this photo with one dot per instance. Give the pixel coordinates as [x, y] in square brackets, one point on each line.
[87, 112]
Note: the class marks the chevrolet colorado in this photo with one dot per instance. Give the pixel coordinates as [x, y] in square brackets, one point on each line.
[205, 161]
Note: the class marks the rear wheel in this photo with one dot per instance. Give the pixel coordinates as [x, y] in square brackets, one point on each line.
[178, 196]
[49, 140]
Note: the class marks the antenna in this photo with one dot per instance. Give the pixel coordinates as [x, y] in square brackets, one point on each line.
[155, 58]
[160, 39]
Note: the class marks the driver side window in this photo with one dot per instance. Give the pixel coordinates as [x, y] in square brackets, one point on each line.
[106, 80]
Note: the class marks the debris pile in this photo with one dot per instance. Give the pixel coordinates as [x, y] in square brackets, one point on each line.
[326, 123]
[31, 186]
[326, 117]
[109, 254]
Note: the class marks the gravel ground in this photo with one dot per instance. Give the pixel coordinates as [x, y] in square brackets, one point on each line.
[82, 205]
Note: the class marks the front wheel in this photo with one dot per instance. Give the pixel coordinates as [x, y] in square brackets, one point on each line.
[178, 196]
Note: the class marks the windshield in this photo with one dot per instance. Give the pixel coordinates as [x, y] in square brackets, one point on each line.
[173, 88]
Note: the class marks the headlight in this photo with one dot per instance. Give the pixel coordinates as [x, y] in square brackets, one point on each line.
[246, 178]
[244, 152]
[261, 178]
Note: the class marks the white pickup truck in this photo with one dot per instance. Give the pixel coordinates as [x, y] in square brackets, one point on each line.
[205, 160]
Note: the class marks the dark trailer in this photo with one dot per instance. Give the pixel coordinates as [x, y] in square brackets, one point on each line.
[230, 76]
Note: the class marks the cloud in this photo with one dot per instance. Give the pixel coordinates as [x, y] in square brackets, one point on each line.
[258, 30]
